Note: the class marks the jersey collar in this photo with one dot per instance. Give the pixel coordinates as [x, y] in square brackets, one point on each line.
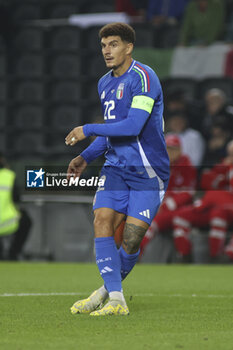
[130, 68]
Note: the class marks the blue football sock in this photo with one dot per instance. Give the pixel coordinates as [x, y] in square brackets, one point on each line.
[108, 262]
[127, 262]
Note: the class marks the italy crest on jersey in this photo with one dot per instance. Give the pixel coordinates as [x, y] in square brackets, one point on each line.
[120, 90]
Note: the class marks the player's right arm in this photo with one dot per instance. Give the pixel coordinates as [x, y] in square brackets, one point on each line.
[93, 151]
[76, 167]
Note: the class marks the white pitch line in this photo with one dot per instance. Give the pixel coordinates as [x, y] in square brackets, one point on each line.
[133, 295]
[37, 294]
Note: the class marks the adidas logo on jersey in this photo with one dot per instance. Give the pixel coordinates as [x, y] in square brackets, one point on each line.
[145, 213]
[106, 269]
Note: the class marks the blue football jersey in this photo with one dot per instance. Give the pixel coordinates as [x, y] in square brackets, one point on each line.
[137, 90]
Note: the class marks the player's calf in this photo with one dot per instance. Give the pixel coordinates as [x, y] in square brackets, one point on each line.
[181, 236]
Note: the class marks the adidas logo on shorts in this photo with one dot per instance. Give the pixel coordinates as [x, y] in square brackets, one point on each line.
[145, 213]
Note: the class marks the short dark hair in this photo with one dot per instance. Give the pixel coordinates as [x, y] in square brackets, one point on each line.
[123, 30]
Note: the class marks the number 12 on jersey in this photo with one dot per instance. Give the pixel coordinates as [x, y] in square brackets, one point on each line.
[109, 107]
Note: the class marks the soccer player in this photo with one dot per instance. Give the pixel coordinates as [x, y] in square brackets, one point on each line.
[136, 170]
[213, 210]
[180, 191]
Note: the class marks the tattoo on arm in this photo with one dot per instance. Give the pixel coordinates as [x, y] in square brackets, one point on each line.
[132, 238]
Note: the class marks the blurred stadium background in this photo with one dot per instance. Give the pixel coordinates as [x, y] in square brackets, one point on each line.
[50, 63]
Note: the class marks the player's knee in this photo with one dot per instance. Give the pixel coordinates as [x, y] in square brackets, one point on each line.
[218, 213]
[103, 224]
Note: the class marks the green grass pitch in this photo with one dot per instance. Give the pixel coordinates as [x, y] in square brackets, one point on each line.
[185, 307]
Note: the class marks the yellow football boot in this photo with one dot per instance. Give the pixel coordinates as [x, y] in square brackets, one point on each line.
[113, 307]
[85, 306]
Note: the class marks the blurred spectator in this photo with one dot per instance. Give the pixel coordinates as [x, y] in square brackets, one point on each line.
[14, 222]
[165, 16]
[220, 176]
[214, 210]
[175, 101]
[180, 192]
[228, 71]
[132, 7]
[203, 22]
[192, 141]
[180, 100]
[215, 103]
[220, 135]
[161, 12]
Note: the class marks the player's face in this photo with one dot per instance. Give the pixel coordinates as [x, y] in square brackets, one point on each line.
[115, 51]
[214, 104]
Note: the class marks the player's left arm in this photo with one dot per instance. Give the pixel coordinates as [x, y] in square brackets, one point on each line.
[131, 126]
[139, 112]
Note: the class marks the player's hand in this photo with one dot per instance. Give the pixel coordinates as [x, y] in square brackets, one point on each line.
[75, 136]
[76, 167]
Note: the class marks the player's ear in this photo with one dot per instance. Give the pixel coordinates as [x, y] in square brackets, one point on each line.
[129, 48]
